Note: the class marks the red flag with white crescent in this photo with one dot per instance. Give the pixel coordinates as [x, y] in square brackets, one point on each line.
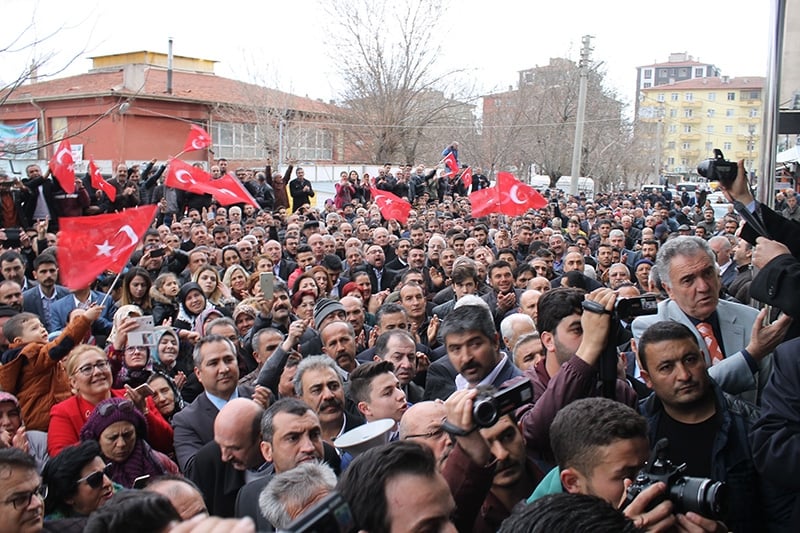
[183, 176]
[517, 197]
[63, 166]
[466, 178]
[392, 206]
[228, 190]
[451, 163]
[485, 202]
[100, 183]
[197, 140]
[88, 246]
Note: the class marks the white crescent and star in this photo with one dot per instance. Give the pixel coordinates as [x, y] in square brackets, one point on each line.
[180, 172]
[512, 193]
[61, 153]
[127, 230]
[104, 249]
[199, 141]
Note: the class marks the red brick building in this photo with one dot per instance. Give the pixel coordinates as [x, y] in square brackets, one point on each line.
[123, 110]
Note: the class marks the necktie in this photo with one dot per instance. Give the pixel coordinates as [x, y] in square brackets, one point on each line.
[714, 350]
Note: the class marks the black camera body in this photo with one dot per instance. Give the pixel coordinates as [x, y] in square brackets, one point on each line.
[490, 404]
[629, 308]
[330, 515]
[699, 495]
[719, 169]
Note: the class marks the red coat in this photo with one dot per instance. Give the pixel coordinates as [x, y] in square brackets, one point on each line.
[67, 419]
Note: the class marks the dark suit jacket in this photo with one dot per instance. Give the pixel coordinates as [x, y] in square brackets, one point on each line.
[219, 482]
[388, 279]
[285, 268]
[32, 303]
[59, 313]
[396, 265]
[441, 381]
[194, 427]
[729, 276]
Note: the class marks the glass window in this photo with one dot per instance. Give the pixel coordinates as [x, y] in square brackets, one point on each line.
[709, 147]
[728, 130]
[660, 97]
[731, 97]
[311, 143]
[673, 113]
[671, 161]
[711, 113]
[238, 141]
[687, 128]
[688, 97]
[648, 73]
[730, 112]
[710, 128]
[673, 97]
[727, 146]
[686, 146]
[753, 112]
[673, 128]
[688, 113]
[647, 85]
[712, 97]
[698, 72]
[671, 145]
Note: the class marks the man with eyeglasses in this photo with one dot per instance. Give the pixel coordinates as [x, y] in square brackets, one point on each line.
[21, 493]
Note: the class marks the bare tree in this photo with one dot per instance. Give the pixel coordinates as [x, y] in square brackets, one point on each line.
[394, 95]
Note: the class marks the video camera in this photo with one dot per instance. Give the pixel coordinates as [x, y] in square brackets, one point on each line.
[719, 169]
[629, 308]
[491, 404]
[330, 515]
[699, 495]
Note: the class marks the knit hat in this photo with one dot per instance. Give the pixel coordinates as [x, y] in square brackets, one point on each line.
[186, 288]
[8, 397]
[244, 309]
[644, 261]
[113, 410]
[324, 307]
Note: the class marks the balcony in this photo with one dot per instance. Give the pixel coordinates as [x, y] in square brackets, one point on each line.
[690, 120]
[689, 154]
[689, 136]
[749, 120]
[744, 137]
[746, 154]
[694, 104]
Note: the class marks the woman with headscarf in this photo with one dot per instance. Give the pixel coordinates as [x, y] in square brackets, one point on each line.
[166, 395]
[130, 364]
[191, 302]
[77, 484]
[121, 431]
[170, 357]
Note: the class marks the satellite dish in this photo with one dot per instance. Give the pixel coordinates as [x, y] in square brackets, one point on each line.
[360, 439]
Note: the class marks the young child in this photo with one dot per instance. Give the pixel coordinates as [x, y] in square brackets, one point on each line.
[32, 369]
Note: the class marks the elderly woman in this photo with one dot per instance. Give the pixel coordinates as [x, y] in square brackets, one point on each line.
[168, 356]
[130, 365]
[303, 303]
[121, 430]
[77, 483]
[166, 395]
[90, 378]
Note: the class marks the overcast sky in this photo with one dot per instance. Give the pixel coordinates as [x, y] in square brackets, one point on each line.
[281, 42]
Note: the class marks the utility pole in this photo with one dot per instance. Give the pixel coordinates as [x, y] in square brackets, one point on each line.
[577, 150]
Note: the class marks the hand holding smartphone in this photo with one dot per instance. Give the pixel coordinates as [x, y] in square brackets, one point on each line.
[267, 281]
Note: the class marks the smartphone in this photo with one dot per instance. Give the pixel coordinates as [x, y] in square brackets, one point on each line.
[267, 281]
[144, 389]
[141, 482]
[158, 252]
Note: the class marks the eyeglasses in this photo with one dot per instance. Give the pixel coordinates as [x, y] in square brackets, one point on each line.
[433, 434]
[88, 370]
[23, 499]
[125, 406]
[134, 349]
[95, 479]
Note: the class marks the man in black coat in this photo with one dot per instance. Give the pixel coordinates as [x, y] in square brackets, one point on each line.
[300, 189]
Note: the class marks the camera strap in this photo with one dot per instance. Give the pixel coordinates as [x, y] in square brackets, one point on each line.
[457, 431]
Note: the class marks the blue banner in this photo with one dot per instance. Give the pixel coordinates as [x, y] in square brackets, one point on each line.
[19, 141]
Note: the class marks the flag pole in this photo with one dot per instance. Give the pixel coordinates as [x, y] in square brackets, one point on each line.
[113, 283]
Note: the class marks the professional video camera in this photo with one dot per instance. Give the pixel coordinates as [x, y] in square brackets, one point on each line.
[700, 495]
[330, 515]
[629, 308]
[718, 169]
[490, 404]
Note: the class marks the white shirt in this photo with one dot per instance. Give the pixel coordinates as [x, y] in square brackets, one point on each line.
[461, 382]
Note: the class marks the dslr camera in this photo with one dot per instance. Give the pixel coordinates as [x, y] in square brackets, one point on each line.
[718, 169]
[700, 495]
[629, 308]
[490, 404]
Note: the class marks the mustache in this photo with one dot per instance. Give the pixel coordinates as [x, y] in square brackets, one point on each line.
[331, 403]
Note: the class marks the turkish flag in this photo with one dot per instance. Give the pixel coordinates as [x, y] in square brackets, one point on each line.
[485, 202]
[392, 206]
[466, 178]
[451, 163]
[182, 175]
[98, 182]
[517, 197]
[197, 140]
[63, 166]
[229, 190]
[88, 246]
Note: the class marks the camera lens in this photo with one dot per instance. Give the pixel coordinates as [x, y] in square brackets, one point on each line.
[484, 412]
[700, 495]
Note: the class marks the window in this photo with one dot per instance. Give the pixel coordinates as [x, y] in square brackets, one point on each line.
[686, 146]
[687, 113]
[683, 72]
[709, 147]
[731, 97]
[687, 128]
[728, 130]
[238, 141]
[753, 95]
[671, 145]
[647, 85]
[727, 146]
[688, 97]
[710, 129]
[648, 74]
[730, 112]
[660, 97]
[711, 113]
[673, 128]
[670, 161]
[311, 143]
[712, 97]
[673, 97]
[673, 113]
[698, 72]
[753, 112]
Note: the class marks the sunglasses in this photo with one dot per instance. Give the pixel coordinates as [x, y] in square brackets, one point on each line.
[95, 479]
[125, 406]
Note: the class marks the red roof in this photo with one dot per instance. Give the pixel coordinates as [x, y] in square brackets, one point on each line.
[742, 82]
[187, 86]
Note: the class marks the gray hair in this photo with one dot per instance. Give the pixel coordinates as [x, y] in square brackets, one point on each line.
[222, 321]
[255, 342]
[684, 245]
[616, 233]
[293, 406]
[507, 325]
[197, 357]
[294, 488]
[525, 339]
[315, 362]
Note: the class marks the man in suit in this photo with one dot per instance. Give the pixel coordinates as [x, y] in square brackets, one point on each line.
[400, 262]
[217, 369]
[61, 308]
[290, 435]
[473, 349]
[505, 297]
[734, 341]
[282, 267]
[232, 458]
[722, 250]
[12, 266]
[381, 277]
[399, 348]
[39, 300]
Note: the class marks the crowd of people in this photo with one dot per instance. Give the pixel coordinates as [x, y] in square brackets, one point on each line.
[226, 415]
